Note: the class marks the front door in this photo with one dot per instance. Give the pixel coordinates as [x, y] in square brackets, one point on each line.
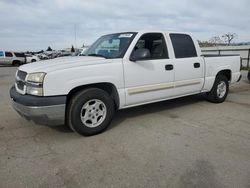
[150, 79]
[8, 58]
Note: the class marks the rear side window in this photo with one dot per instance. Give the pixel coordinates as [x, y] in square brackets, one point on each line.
[8, 54]
[19, 54]
[183, 46]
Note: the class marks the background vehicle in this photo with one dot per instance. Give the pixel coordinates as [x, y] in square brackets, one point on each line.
[119, 71]
[31, 58]
[63, 54]
[12, 58]
[42, 56]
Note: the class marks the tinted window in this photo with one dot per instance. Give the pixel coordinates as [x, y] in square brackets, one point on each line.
[183, 46]
[155, 43]
[19, 54]
[8, 54]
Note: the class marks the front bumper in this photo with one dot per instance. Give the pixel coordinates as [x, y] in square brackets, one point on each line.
[41, 110]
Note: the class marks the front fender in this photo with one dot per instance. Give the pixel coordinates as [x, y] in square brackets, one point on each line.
[61, 82]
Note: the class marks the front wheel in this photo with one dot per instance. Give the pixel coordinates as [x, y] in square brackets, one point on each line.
[90, 111]
[219, 91]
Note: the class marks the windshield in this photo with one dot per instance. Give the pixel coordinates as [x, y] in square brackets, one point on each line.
[110, 46]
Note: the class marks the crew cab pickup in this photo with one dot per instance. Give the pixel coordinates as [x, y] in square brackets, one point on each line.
[119, 71]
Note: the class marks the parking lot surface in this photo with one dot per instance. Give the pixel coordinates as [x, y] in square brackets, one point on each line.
[185, 142]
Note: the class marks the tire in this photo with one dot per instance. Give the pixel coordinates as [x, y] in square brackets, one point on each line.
[16, 63]
[33, 60]
[219, 91]
[86, 123]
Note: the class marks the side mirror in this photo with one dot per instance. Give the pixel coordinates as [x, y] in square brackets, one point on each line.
[140, 54]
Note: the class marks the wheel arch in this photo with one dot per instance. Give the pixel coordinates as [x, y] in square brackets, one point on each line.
[106, 86]
[227, 73]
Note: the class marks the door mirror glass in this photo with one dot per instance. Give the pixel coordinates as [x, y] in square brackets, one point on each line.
[140, 54]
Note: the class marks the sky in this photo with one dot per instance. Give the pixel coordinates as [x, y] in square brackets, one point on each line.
[36, 24]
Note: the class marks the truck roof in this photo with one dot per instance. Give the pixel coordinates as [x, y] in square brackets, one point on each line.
[154, 31]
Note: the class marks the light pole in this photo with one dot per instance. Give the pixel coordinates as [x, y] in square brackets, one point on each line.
[75, 34]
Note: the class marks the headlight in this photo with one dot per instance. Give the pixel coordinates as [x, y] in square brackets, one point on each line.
[38, 91]
[36, 77]
[35, 84]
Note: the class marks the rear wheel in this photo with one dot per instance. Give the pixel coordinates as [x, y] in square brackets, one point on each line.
[33, 60]
[16, 63]
[219, 91]
[90, 111]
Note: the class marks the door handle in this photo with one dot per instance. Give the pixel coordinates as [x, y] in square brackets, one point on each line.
[197, 65]
[169, 67]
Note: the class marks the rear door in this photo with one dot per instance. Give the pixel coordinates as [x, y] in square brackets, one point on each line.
[189, 66]
[148, 80]
[8, 58]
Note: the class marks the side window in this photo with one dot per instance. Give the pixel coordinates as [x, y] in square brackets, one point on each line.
[19, 55]
[1, 54]
[8, 54]
[183, 46]
[155, 43]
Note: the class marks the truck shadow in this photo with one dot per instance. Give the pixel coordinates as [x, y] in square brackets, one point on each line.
[8, 66]
[158, 107]
[143, 110]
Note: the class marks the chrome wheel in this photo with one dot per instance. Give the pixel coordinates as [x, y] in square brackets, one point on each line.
[93, 113]
[221, 89]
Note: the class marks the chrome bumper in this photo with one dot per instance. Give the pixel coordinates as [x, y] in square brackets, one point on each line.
[46, 115]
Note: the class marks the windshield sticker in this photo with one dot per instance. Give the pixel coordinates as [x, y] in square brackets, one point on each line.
[125, 35]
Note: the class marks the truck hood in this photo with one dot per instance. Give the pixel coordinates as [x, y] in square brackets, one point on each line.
[62, 63]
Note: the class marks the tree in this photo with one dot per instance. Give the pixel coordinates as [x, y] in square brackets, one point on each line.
[204, 44]
[49, 49]
[228, 37]
[72, 49]
[215, 41]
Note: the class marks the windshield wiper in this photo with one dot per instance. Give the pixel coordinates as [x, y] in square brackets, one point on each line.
[97, 55]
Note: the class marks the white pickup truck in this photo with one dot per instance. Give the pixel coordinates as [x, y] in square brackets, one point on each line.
[119, 71]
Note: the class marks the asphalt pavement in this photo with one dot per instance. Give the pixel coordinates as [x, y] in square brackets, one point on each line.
[186, 142]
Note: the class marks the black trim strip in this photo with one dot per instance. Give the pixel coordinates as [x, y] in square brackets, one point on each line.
[222, 55]
[36, 101]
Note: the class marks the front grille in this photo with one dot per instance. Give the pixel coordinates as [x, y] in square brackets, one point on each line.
[21, 75]
[20, 80]
[20, 85]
